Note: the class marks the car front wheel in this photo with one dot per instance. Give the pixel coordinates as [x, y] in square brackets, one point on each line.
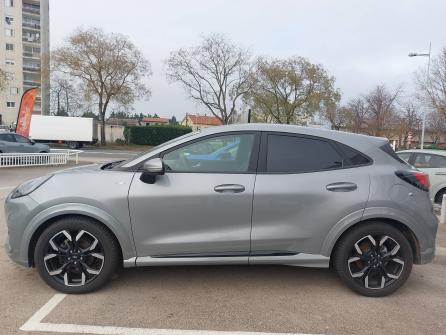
[76, 255]
[374, 259]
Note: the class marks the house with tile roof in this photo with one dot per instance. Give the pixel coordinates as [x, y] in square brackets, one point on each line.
[148, 121]
[197, 122]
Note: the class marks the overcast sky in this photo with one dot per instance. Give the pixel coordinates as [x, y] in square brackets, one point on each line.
[362, 43]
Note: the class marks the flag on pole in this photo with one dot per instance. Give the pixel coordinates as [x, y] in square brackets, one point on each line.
[26, 111]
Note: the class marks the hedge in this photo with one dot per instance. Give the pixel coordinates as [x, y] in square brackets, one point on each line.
[153, 135]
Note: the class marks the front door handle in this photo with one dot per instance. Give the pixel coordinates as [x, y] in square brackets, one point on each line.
[229, 188]
[341, 187]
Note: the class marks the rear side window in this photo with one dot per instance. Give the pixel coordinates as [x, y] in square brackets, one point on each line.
[429, 161]
[293, 154]
[405, 156]
[388, 150]
[7, 138]
[353, 157]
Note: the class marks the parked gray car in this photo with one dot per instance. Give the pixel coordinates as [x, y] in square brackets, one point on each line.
[12, 143]
[279, 195]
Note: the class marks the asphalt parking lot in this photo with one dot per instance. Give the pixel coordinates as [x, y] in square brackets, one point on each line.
[272, 299]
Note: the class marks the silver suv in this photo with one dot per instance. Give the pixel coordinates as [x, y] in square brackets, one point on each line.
[242, 194]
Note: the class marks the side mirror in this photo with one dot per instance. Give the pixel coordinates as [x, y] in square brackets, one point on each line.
[152, 168]
[32, 142]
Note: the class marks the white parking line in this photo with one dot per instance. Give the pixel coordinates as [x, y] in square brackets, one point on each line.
[35, 324]
[6, 187]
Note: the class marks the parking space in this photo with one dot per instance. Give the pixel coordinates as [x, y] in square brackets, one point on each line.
[268, 299]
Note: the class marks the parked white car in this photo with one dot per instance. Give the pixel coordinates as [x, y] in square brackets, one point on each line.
[432, 162]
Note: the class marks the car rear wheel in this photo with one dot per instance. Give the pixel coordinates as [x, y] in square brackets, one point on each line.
[76, 255]
[374, 259]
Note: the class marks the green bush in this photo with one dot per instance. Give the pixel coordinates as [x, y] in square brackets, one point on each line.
[153, 135]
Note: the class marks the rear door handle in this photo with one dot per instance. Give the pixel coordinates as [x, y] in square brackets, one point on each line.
[440, 173]
[229, 188]
[341, 187]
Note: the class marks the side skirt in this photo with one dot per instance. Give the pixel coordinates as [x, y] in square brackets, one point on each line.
[301, 259]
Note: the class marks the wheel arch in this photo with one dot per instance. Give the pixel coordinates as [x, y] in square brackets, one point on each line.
[122, 233]
[402, 227]
[441, 189]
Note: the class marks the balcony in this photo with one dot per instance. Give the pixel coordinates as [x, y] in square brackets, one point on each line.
[30, 23]
[31, 54]
[31, 9]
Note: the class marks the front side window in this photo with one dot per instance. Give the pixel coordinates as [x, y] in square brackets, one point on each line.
[293, 154]
[429, 161]
[221, 154]
[21, 139]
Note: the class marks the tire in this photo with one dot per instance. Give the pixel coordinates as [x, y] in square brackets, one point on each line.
[86, 258]
[439, 197]
[373, 270]
[73, 145]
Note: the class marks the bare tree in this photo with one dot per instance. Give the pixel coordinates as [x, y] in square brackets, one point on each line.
[381, 111]
[432, 88]
[436, 124]
[109, 66]
[356, 115]
[291, 90]
[65, 96]
[214, 73]
[338, 116]
[409, 120]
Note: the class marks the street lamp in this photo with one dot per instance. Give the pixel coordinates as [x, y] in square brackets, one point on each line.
[416, 54]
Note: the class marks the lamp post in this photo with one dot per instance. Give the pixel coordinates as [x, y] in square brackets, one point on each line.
[416, 54]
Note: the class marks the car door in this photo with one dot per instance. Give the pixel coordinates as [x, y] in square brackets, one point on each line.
[435, 166]
[304, 186]
[23, 144]
[8, 143]
[202, 205]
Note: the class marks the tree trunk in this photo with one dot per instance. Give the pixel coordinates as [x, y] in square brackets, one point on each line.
[102, 130]
[102, 120]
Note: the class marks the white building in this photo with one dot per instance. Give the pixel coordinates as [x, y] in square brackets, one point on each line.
[24, 54]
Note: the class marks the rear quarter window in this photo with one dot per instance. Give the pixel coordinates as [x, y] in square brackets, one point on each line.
[388, 150]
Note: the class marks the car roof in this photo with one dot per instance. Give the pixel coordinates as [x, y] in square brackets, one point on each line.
[359, 142]
[425, 151]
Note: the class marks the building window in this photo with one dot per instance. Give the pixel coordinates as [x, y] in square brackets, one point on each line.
[9, 19]
[9, 32]
[10, 62]
[9, 3]
[9, 76]
[9, 47]
[13, 90]
[10, 104]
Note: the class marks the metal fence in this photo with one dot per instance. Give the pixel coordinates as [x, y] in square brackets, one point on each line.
[55, 157]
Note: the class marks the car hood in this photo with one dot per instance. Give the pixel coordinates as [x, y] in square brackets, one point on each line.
[89, 167]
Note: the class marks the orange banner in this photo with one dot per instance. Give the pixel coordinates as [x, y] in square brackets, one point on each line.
[25, 112]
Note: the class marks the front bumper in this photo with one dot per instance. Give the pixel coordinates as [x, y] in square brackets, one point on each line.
[18, 213]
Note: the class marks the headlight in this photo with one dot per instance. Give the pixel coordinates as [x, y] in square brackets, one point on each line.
[29, 186]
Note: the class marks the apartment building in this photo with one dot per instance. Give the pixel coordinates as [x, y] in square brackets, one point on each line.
[24, 55]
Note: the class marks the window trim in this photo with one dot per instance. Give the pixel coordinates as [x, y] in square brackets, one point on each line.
[262, 165]
[253, 162]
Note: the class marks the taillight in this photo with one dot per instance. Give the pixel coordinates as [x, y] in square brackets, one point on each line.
[416, 178]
